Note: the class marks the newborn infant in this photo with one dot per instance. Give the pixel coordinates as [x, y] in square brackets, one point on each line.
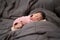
[21, 21]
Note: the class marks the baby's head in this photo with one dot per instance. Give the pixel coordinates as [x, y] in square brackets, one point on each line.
[37, 16]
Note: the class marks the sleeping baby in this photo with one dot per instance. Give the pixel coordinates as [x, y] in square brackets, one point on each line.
[21, 21]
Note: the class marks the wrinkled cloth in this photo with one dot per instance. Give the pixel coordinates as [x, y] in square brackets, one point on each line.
[11, 9]
[42, 30]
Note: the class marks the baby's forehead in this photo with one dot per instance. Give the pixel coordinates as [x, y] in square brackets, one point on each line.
[37, 13]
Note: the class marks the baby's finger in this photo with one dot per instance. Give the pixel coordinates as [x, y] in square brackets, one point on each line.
[15, 23]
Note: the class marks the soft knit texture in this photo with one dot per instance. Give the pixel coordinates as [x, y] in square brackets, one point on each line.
[25, 19]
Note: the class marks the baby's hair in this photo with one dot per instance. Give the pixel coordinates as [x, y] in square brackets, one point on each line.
[43, 14]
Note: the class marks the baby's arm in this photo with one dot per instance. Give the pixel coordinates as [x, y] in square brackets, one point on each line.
[18, 23]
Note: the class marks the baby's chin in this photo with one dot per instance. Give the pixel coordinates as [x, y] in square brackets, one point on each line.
[36, 20]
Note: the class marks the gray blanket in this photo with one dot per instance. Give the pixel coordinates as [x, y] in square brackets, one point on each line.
[11, 9]
[42, 30]
[48, 28]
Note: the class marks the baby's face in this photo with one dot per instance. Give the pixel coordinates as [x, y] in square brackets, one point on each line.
[37, 17]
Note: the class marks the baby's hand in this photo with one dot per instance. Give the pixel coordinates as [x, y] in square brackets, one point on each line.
[18, 25]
